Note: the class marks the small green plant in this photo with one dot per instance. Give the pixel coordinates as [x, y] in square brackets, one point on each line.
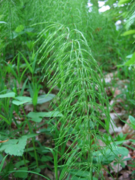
[16, 147]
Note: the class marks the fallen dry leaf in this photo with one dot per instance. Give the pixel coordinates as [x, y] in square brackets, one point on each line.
[108, 78]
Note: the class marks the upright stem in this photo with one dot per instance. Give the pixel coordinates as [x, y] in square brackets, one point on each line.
[10, 20]
[56, 164]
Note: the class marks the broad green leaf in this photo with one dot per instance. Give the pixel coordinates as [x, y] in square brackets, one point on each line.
[19, 28]
[21, 163]
[2, 22]
[129, 56]
[104, 158]
[21, 100]
[8, 95]
[128, 32]
[109, 153]
[29, 149]
[120, 150]
[14, 146]
[46, 158]
[31, 135]
[15, 35]
[38, 170]
[80, 173]
[132, 140]
[37, 116]
[120, 142]
[21, 173]
[132, 120]
[131, 61]
[27, 30]
[44, 98]
[123, 2]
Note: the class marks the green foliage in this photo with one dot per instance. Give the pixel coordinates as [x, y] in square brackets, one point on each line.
[109, 153]
[2, 163]
[2, 22]
[19, 100]
[132, 120]
[37, 116]
[129, 14]
[8, 95]
[54, 46]
[14, 146]
[131, 62]
[128, 32]
[23, 174]
[124, 1]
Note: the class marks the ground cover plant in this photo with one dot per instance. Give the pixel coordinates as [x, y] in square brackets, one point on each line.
[66, 90]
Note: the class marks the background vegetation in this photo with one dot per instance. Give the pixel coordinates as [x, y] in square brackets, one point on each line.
[55, 110]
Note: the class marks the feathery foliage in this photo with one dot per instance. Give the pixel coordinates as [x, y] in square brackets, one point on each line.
[59, 40]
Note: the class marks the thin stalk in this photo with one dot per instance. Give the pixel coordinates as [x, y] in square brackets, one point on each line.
[56, 164]
[10, 20]
[24, 161]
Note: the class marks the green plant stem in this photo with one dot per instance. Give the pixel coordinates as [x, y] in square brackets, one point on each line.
[24, 161]
[56, 164]
[10, 16]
